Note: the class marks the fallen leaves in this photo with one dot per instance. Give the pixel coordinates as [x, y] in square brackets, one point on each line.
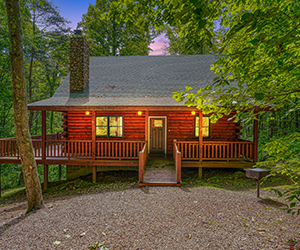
[189, 236]
[56, 242]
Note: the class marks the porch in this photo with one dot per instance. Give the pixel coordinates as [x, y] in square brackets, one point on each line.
[55, 150]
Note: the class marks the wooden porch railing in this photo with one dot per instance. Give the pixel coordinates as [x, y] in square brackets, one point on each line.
[177, 158]
[8, 148]
[217, 150]
[77, 149]
[142, 162]
[119, 149]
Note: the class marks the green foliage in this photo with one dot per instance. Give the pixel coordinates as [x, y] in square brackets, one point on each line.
[230, 179]
[109, 34]
[285, 152]
[293, 196]
[46, 51]
[181, 46]
[97, 246]
[261, 69]
[11, 173]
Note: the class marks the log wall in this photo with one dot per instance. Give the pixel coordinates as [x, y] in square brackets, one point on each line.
[180, 126]
[80, 126]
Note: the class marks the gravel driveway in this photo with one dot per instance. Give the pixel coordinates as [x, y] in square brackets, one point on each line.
[152, 218]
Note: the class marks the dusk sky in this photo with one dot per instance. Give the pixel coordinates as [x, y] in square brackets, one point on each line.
[73, 10]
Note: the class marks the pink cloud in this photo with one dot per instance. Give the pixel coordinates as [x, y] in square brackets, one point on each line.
[157, 46]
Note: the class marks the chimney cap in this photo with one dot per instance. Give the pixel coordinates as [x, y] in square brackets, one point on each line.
[77, 33]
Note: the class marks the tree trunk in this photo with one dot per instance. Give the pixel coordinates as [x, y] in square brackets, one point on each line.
[30, 76]
[32, 183]
[297, 116]
[51, 122]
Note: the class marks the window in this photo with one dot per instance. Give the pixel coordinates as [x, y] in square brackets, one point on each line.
[158, 123]
[109, 126]
[205, 126]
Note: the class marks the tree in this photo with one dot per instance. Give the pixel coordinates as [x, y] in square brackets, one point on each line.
[32, 183]
[180, 45]
[260, 39]
[47, 31]
[109, 34]
[260, 71]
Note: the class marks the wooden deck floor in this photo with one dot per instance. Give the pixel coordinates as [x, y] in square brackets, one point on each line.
[74, 161]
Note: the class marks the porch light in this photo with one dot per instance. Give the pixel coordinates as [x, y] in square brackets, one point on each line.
[139, 112]
[87, 112]
[193, 112]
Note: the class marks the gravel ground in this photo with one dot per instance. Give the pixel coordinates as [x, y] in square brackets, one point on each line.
[152, 218]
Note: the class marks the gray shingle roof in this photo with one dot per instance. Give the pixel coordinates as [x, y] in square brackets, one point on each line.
[136, 81]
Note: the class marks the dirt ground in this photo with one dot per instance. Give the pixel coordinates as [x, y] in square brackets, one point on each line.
[152, 218]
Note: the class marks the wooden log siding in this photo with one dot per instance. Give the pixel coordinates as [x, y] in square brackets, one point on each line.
[80, 126]
[180, 126]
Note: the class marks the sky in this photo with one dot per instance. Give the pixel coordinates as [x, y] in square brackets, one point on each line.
[73, 10]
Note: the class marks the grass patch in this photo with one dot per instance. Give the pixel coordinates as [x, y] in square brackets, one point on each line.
[106, 182]
[231, 179]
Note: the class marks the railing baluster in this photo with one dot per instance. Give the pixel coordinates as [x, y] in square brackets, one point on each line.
[130, 150]
[243, 151]
[134, 149]
[123, 145]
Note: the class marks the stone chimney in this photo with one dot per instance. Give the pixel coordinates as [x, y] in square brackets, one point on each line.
[79, 63]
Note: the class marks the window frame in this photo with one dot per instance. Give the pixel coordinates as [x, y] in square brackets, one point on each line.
[202, 127]
[108, 127]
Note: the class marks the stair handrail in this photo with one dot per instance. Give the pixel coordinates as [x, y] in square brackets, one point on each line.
[142, 161]
[177, 158]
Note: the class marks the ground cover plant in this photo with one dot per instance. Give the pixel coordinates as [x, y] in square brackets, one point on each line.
[229, 179]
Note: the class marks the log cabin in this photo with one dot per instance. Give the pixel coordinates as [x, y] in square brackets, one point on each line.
[118, 110]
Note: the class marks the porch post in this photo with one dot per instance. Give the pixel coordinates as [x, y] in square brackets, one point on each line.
[146, 125]
[94, 145]
[0, 180]
[200, 136]
[45, 176]
[94, 135]
[200, 173]
[200, 144]
[255, 137]
[43, 135]
[59, 172]
[94, 174]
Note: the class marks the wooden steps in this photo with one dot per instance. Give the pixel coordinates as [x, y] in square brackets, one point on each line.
[160, 184]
